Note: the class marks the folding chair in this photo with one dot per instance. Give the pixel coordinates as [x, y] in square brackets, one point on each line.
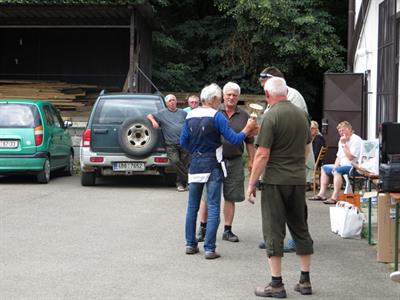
[317, 168]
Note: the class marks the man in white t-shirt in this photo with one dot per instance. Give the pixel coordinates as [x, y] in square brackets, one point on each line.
[348, 152]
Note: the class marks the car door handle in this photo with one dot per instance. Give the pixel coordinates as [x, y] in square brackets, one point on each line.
[100, 130]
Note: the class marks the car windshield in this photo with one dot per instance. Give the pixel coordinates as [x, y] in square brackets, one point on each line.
[18, 115]
[116, 111]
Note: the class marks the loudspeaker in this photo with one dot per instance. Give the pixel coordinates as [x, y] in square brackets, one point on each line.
[389, 177]
[389, 141]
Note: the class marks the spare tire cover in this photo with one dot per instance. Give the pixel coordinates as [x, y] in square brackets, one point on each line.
[137, 137]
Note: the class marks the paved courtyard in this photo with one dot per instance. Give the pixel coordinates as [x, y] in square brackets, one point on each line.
[124, 240]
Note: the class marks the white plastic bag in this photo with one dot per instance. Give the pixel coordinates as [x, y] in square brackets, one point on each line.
[333, 214]
[337, 215]
[352, 223]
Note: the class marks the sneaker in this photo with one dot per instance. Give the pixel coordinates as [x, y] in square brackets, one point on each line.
[191, 250]
[290, 247]
[211, 255]
[201, 234]
[269, 291]
[261, 245]
[303, 288]
[395, 276]
[180, 189]
[230, 236]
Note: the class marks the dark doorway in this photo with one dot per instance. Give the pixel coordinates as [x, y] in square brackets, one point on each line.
[96, 56]
[343, 101]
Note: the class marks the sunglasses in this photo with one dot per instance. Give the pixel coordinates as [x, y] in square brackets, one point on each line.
[265, 75]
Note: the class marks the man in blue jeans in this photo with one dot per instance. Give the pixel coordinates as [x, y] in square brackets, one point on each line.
[201, 136]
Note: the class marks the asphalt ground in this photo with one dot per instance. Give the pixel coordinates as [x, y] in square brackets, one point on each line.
[124, 240]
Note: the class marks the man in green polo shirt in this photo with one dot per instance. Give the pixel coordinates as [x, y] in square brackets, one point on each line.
[283, 143]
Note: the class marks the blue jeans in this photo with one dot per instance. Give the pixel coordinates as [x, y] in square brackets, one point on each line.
[214, 185]
[328, 169]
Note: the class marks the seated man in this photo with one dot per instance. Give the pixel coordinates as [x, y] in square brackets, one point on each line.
[318, 139]
[348, 151]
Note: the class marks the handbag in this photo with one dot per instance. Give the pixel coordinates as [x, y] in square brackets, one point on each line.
[350, 198]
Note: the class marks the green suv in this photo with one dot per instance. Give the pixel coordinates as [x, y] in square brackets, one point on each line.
[34, 139]
[120, 141]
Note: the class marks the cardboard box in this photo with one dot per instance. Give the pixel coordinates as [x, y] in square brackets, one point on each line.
[386, 228]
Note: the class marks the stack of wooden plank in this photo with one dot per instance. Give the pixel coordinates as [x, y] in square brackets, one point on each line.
[65, 96]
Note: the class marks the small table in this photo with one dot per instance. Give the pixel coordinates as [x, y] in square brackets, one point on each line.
[396, 197]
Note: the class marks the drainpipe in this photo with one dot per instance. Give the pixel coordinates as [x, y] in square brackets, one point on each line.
[350, 34]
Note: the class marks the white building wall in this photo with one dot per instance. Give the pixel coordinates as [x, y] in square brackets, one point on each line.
[366, 59]
[398, 77]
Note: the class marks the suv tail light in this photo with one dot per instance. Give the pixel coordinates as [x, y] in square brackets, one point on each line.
[38, 131]
[162, 160]
[86, 137]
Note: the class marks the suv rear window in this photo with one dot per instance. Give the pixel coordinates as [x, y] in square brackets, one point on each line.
[18, 115]
[116, 111]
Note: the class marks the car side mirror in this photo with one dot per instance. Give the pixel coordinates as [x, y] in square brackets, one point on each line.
[67, 124]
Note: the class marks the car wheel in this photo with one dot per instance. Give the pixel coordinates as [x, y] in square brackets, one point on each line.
[137, 137]
[88, 178]
[69, 168]
[44, 175]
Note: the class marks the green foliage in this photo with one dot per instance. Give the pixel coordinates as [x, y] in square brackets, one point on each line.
[71, 2]
[216, 41]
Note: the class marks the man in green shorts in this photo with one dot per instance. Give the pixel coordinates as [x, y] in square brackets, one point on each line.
[233, 186]
[283, 143]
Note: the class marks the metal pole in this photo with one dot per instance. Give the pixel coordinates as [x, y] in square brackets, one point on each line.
[131, 79]
[350, 33]
[396, 239]
[369, 213]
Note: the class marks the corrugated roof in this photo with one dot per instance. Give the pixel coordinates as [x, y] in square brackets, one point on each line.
[72, 12]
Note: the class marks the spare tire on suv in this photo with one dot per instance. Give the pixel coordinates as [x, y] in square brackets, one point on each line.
[137, 137]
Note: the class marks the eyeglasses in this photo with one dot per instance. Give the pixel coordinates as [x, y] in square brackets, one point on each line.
[265, 75]
[170, 100]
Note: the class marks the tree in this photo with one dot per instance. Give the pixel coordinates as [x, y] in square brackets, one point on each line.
[216, 41]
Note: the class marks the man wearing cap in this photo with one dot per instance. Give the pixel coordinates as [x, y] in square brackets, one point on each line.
[293, 95]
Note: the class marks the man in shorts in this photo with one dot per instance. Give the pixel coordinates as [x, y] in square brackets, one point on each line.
[284, 141]
[233, 186]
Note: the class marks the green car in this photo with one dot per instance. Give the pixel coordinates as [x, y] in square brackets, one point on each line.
[34, 139]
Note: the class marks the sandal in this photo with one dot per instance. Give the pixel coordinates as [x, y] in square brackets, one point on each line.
[330, 201]
[317, 198]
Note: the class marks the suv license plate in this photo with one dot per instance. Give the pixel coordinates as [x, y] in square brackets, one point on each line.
[129, 166]
[8, 144]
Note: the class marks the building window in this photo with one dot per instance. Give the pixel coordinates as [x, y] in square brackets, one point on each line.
[387, 68]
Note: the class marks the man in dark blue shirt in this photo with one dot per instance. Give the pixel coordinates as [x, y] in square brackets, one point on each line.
[201, 135]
